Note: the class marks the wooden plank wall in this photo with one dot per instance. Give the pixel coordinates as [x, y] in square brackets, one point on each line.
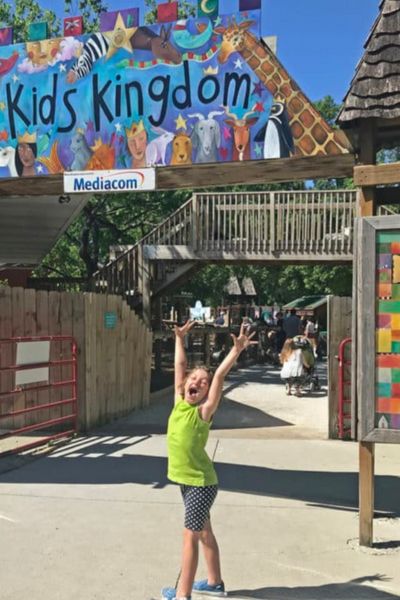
[114, 365]
[339, 327]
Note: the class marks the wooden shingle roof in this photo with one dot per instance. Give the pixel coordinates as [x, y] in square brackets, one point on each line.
[375, 89]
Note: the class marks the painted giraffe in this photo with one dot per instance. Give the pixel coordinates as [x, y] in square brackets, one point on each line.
[233, 38]
[311, 134]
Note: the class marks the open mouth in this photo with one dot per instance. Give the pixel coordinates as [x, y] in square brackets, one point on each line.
[193, 391]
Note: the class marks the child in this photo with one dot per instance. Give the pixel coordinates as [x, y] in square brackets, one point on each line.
[293, 363]
[197, 396]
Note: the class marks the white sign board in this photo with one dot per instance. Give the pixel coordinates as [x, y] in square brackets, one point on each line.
[31, 353]
[127, 180]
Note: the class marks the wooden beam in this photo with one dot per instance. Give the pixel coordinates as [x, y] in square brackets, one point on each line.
[209, 175]
[255, 172]
[185, 253]
[371, 175]
[366, 492]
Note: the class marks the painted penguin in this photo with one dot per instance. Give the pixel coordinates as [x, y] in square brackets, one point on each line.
[276, 133]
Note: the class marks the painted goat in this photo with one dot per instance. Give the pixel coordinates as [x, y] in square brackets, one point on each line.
[206, 137]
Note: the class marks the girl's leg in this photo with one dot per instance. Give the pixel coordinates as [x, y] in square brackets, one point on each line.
[211, 554]
[190, 560]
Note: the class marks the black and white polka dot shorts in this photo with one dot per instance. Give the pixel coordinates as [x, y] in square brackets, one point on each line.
[198, 502]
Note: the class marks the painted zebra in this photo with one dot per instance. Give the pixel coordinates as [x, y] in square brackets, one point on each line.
[95, 48]
[143, 39]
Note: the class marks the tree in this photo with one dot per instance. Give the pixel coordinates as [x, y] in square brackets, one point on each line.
[20, 13]
[186, 9]
[89, 9]
[329, 109]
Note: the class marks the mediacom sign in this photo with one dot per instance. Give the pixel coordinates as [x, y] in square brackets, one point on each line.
[130, 180]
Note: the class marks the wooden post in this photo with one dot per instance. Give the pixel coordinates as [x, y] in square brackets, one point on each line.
[145, 285]
[366, 208]
[366, 492]
[158, 355]
[207, 348]
[367, 156]
[195, 223]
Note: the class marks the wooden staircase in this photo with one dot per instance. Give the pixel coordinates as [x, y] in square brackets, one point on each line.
[257, 227]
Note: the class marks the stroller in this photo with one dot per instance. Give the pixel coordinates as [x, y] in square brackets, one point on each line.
[310, 381]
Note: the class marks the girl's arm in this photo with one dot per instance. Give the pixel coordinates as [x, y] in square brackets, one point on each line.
[180, 363]
[240, 343]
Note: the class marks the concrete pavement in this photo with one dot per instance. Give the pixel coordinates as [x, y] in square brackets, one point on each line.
[97, 518]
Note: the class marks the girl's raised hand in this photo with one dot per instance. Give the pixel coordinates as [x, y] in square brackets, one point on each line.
[180, 332]
[243, 341]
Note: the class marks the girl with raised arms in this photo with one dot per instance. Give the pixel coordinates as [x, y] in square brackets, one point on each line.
[197, 397]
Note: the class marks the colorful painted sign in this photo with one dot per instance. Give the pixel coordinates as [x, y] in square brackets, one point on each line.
[377, 293]
[137, 97]
[388, 331]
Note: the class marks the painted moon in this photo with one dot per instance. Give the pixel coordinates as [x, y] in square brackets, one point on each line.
[206, 8]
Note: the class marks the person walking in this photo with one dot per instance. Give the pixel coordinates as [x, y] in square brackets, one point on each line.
[197, 397]
[292, 324]
[310, 332]
[293, 364]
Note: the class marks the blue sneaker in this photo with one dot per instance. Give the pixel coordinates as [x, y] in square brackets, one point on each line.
[203, 587]
[169, 593]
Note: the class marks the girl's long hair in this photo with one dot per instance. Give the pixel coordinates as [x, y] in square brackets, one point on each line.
[18, 163]
[287, 350]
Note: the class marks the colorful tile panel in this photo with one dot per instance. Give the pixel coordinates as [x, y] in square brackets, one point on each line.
[387, 415]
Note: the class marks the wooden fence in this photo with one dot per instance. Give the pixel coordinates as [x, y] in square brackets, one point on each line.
[114, 349]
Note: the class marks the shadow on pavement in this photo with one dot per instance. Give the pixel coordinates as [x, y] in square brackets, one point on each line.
[231, 415]
[108, 463]
[333, 591]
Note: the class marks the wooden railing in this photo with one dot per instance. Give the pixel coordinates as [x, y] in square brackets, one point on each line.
[296, 224]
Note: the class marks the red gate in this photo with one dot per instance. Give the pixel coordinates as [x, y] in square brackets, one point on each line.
[38, 396]
[344, 416]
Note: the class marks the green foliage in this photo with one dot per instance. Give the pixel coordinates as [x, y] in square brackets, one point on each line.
[19, 13]
[108, 220]
[328, 109]
[89, 9]
[388, 155]
[274, 284]
[185, 10]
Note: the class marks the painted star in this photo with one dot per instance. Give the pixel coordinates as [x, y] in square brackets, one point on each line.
[259, 89]
[259, 107]
[258, 150]
[118, 127]
[62, 68]
[226, 133]
[120, 37]
[217, 21]
[238, 64]
[2, 106]
[40, 169]
[15, 78]
[180, 123]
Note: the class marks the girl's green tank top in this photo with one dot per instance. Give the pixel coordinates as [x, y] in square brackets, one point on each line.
[187, 435]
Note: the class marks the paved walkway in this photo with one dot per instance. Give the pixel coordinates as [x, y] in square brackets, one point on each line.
[97, 519]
